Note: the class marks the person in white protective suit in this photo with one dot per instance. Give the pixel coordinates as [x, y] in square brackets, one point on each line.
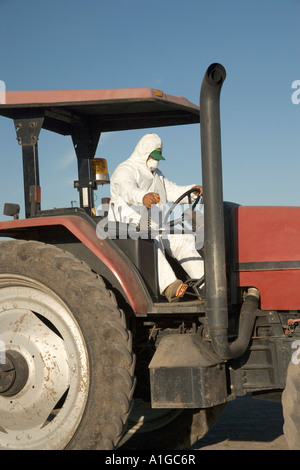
[137, 182]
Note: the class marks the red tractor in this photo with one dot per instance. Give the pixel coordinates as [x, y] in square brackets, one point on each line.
[91, 355]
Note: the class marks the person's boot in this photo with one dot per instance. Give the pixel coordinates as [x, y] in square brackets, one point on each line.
[175, 291]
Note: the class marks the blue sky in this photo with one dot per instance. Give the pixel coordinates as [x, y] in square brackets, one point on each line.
[165, 44]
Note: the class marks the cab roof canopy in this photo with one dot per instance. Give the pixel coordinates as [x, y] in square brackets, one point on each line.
[104, 110]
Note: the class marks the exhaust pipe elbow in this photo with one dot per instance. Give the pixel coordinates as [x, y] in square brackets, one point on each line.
[219, 337]
[215, 75]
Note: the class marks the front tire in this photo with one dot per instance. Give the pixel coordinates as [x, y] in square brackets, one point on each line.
[61, 327]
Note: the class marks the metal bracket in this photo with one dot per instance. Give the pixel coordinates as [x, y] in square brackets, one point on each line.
[85, 138]
[28, 130]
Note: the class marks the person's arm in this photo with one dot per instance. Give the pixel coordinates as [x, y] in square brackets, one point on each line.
[124, 184]
[174, 191]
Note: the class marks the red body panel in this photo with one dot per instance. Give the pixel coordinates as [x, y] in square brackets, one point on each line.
[264, 235]
[87, 235]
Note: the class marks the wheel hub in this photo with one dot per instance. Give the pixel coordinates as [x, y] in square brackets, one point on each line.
[13, 373]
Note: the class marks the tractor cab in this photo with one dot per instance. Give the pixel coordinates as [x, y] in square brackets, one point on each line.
[85, 115]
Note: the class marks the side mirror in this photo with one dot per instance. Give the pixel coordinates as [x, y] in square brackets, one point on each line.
[11, 210]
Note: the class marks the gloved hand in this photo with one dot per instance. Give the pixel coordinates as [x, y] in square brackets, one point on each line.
[196, 192]
[150, 198]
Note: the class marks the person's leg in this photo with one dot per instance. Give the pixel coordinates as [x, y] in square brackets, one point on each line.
[169, 285]
[166, 274]
[182, 248]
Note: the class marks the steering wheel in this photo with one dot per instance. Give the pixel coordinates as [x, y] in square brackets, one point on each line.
[180, 220]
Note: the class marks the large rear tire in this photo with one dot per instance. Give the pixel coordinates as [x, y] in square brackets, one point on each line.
[65, 353]
[167, 429]
[291, 404]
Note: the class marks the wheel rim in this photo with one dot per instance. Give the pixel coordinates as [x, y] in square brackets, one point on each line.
[44, 409]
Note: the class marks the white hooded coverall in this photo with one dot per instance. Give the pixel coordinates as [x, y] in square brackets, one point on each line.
[130, 182]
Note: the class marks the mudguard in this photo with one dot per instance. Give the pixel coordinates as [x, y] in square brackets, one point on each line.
[85, 232]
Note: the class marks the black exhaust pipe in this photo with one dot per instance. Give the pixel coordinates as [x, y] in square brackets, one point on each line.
[214, 234]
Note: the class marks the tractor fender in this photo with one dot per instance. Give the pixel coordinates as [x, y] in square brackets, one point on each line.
[85, 232]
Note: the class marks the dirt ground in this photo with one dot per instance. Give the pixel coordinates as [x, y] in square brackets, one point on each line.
[247, 424]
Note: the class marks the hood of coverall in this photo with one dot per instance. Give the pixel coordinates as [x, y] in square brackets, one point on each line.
[144, 147]
[146, 181]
